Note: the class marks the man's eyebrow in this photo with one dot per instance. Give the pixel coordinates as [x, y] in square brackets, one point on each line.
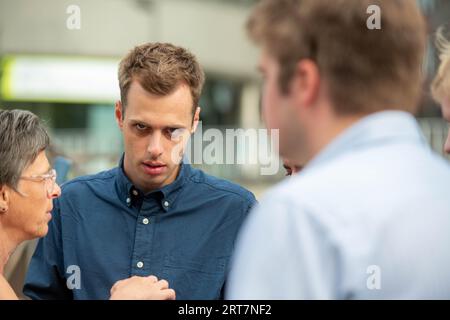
[171, 125]
[139, 121]
[136, 121]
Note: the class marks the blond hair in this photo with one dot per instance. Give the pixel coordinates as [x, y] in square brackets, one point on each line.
[440, 87]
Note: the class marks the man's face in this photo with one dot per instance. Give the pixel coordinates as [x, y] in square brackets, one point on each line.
[446, 113]
[291, 168]
[155, 131]
[279, 110]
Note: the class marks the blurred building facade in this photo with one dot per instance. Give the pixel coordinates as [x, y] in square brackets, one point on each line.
[80, 82]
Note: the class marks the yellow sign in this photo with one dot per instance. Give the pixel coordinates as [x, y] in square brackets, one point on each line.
[59, 79]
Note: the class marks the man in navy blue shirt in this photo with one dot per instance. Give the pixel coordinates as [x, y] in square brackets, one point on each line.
[153, 215]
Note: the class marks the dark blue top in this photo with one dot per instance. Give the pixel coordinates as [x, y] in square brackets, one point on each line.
[104, 230]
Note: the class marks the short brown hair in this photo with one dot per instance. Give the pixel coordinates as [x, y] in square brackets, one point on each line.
[365, 70]
[160, 68]
[440, 87]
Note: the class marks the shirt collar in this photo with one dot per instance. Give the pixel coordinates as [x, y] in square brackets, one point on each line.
[377, 128]
[166, 195]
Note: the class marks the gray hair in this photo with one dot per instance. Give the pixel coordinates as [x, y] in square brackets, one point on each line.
[22, 138]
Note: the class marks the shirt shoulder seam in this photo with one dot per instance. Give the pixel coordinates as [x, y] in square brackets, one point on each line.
[89, 178]
[249, 201]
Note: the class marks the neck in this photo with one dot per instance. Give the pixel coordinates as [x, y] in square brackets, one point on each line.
[166, 182]
[324, 133]
[8, 243]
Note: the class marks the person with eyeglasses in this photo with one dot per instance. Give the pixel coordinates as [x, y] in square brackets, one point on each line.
[27, 185]
[27, 189]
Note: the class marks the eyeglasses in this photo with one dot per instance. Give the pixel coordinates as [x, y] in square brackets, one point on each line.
[49, 181]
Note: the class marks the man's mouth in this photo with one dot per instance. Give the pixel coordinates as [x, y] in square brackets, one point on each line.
[153, 168]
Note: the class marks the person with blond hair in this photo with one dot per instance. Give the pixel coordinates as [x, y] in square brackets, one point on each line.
[440, 87]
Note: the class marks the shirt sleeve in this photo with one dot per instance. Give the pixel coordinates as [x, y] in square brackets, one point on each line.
[283, 252]
[45, 278]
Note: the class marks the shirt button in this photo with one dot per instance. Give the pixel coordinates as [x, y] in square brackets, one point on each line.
[135, 192]
[166, 204]
[128, 200]
[145, 221]
[140, 264]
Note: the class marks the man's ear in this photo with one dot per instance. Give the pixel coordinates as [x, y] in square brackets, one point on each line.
[4, 199]
[119, 114]
[305, 85]
[196, 119]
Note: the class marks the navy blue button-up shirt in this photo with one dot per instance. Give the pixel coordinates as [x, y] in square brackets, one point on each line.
[104, 229]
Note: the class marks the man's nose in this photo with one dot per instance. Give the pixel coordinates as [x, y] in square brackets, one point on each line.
[155, 145]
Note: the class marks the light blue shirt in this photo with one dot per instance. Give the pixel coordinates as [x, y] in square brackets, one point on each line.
[368, 218]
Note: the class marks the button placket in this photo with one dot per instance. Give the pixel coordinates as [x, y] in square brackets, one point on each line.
[143, 247]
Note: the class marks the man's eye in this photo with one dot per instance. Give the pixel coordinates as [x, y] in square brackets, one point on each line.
[140, 126]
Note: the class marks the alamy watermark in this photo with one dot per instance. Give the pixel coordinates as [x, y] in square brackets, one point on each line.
[230, 146]
[373, 281]
[374, 20]
[73, 21]
[74, 277]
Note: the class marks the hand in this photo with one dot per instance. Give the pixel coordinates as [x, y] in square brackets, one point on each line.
[142, 288]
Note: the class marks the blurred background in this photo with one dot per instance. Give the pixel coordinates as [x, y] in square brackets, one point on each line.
[67, 73]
